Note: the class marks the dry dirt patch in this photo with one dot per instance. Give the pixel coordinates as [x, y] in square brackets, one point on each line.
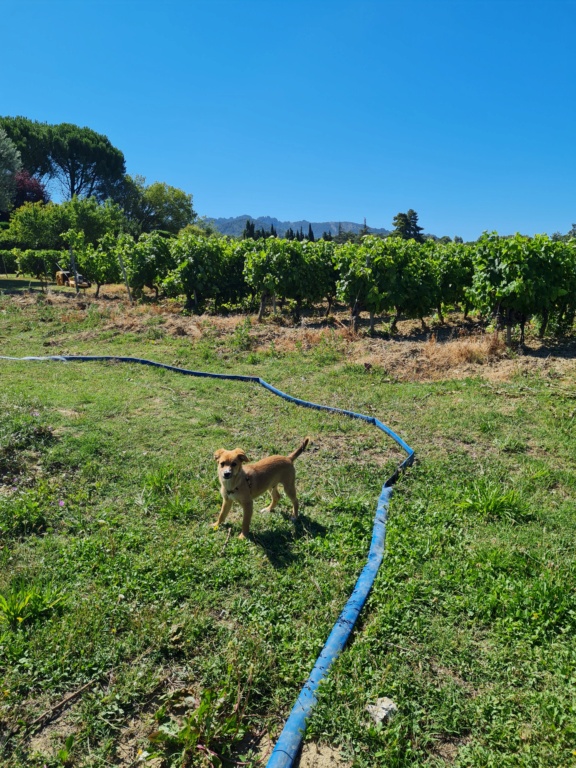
[456, 350]
[313, 755]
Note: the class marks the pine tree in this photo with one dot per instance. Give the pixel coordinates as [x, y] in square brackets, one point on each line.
[310, 233]
[406, 226]
[249, 233]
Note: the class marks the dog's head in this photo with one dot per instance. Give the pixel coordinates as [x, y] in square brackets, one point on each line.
[230, 463]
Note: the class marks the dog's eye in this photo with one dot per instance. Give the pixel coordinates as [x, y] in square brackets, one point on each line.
[233, 463]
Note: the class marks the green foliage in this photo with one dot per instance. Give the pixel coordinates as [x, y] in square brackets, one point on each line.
[416, 290]
[22, 513]
[198, 268]
[155, 207]
[517, 277]
[147, 261]
[98, 263]
[453, 266]
[380, 275]
[40, 225]
[406, 226]
[291, 269]
[204, 736]
[320, 270]
[18, 435]
[65, 755]
[167, 208]
[487, 499]
[84, 162]
[10, 163]
[32, 141]
[233, 286]
[24, 605]
[40, 263]
[8, 260]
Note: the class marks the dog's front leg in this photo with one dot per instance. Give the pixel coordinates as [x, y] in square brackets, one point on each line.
[226, 507]
[248, 508]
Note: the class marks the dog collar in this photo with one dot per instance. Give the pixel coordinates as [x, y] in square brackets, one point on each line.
[234, 490]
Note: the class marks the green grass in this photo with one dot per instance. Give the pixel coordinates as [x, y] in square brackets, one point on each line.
[191, 643]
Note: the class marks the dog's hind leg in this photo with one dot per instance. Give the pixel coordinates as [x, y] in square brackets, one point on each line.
[290, 488]
[274, 500]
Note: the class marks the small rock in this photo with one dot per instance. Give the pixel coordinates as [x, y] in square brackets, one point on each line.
[383, 709]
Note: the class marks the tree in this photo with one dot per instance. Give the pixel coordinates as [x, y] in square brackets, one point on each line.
[164, 207]
[310, 233]
[29, 189]
[32, 139]
[10, 164]
[406, 226]
[84, 162]
[249, 230]
[36, 225]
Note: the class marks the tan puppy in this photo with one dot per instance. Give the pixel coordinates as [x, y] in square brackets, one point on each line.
[244, 483]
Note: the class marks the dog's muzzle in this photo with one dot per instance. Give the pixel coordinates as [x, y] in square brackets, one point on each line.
[227, 475]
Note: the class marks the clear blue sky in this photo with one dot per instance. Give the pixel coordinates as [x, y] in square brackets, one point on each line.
[464, 110]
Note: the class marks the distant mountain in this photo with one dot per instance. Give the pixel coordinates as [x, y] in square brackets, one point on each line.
[235, 226]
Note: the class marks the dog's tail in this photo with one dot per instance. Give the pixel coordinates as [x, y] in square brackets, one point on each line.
[294, 455]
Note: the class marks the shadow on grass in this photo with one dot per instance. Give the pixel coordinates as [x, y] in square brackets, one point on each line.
[277, 544]
[15, 284]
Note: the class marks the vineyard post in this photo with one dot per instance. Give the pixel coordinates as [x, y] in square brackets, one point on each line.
[73, 263]
[120, 259]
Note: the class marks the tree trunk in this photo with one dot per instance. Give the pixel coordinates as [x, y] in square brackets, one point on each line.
[97, 294]
[262, 306]
[440, 315]
[544, 324]
[297, 311]
[372, 323]
[509, 328]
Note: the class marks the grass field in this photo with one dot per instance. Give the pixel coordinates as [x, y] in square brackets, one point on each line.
[131, 633]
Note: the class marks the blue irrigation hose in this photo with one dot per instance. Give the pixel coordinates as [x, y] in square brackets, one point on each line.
[288, 745]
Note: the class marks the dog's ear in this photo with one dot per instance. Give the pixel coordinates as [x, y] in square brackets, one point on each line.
[240, 455]
[218, 453]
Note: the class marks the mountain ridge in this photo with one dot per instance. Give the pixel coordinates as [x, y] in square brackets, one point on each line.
[234, 226]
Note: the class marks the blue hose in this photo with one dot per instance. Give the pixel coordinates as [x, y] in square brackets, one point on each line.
[288, 745]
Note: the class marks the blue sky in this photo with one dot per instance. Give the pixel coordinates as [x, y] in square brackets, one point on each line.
[463, 110]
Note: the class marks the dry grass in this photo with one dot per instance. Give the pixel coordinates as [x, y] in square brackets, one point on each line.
[477, 349]
[456, 350]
